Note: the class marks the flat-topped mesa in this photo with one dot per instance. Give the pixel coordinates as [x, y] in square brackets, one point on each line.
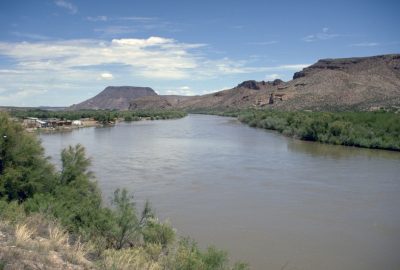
[345, 64]
[115, 98]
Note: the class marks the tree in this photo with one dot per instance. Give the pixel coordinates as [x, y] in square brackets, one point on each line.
[74, 164]
[24, 168]
[127, 224]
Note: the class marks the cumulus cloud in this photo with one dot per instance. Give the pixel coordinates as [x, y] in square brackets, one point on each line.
[78, 64]
[154, 57]
[182, 91]
[271, 77]
[67, 5]
[106, 76]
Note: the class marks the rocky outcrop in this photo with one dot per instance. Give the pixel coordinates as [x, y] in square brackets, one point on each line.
[277, 82]
[252, 84]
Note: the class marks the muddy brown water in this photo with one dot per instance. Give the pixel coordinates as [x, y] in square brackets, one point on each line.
[275, 202]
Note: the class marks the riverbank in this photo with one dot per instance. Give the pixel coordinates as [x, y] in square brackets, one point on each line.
[374, 130]
[37, 120]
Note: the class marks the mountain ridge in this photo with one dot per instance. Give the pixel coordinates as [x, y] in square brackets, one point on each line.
[359, 83]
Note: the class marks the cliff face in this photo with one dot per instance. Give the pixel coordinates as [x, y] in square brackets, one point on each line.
[115, 97]
[349, 83]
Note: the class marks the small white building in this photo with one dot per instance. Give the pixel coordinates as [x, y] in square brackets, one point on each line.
[33, 122]
[77, 123]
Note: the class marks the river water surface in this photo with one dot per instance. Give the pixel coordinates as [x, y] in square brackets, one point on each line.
[275, 202]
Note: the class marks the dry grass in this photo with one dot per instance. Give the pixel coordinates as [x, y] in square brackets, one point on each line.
[76, 253]
[58, 237]
[129, 259]
[23, 235]
[37, 243]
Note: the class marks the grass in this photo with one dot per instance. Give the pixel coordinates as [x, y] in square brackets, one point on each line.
[23, 235]
[129, 259]
[26, 244]
[58, 237]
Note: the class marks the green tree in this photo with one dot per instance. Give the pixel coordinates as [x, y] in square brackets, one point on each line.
[24, 170]
[75, 165]
[126, 222]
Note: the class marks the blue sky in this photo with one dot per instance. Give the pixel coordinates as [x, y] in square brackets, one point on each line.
[60, 52]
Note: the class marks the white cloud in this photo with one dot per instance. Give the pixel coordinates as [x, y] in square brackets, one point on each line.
[67, 5]
[74, 65]
[106, 76]
[101, 18]
[154, 57]
[10, 71]
[271, 77]
[263, 42]
[291, 67]
[21, 95]
[323, 35]
[365, 44]
[182, 91]
[132, 24]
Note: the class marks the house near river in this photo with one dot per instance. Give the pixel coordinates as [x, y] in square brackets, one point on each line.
[36, 123]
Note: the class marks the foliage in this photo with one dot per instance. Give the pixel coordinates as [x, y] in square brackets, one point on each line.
[126, 221]
[74, 164]
[24, 170]
[102, 116]
[158, 233]
[378, 129]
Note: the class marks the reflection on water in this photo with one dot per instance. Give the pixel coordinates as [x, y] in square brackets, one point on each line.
[267, 199]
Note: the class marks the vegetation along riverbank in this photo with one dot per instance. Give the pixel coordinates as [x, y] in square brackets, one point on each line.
[62, 120]
[379, 129]
[54, 219]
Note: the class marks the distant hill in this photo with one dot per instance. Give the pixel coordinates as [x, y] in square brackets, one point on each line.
[115, 97]
[362, 83]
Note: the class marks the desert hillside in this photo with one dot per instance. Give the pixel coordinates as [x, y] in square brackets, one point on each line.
[362, 83]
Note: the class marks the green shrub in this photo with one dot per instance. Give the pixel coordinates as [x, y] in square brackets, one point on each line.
[363, 129]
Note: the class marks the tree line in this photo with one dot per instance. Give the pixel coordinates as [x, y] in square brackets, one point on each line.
[102, 116]
[378, 129]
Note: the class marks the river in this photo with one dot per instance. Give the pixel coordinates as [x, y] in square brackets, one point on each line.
[275, 202]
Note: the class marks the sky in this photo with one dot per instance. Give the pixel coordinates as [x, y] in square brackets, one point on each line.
[61, 52]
